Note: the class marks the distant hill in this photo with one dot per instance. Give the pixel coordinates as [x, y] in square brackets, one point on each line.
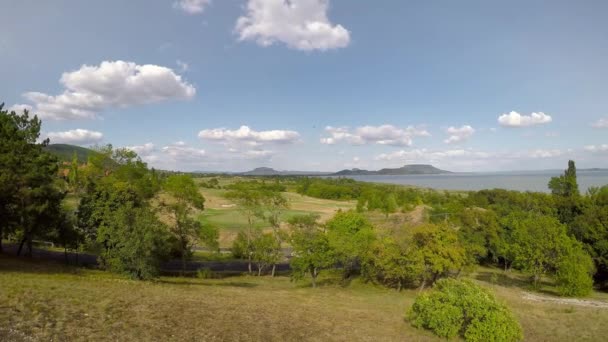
[65, 152]
[267, 171]
[413, 169]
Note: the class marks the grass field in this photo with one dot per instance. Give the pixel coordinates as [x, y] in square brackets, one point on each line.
[227, 217]
[44, 301]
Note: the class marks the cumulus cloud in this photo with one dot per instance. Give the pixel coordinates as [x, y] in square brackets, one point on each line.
[181, 152]
[300, 24]
[381, 135]
[597, 148]
[192, 6]
[601, 123]
[514, 119]
[19, 108]
[459, 134]
[76, 136]
[247, 135]
[91, 89]
[143, 150]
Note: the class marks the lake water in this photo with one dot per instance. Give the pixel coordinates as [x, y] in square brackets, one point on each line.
[522, 181]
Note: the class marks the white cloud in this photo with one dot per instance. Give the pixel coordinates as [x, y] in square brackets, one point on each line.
[19, 108]
[459, 134]
[300, 24]
[540, 153]
[181, 152]
[430, 156]
[258, 154]
[601, 123]
[515, 119]
[76, 136]
[247, 135]
[192, 6]
[597, 148]
[435, 156]
[143, 150]
[119, 84]
[382, 135]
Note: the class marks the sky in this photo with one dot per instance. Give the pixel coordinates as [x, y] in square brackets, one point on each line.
[229, 85]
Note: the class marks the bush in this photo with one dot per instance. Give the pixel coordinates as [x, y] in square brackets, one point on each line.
[205, 273]
[456, 307]
[574, 272]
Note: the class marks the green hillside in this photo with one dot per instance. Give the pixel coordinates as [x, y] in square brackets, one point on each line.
[65, 152]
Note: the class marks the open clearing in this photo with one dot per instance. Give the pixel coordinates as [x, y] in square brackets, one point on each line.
[226, 216]
[46, 301]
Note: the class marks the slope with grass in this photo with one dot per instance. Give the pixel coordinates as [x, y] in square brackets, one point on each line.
[45, 301]
[65, 152]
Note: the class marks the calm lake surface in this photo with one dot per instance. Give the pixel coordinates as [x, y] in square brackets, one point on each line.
[522, 181]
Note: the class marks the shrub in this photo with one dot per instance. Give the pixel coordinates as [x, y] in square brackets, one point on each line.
[205, 273]
[574, 272]
[457, 307]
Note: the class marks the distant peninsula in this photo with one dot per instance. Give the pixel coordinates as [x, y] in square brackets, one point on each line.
[412, 169]
[267, 171]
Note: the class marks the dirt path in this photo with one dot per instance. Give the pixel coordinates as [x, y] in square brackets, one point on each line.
[566, 301]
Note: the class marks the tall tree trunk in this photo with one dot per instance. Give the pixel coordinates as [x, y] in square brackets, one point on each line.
[274, 266]
[20, 247]
[399, 286]
[259, 270]
[313, 274]
[29, 247]
[422, 285]
[249, 263]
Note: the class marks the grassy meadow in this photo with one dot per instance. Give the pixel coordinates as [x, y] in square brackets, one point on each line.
[227, 217]
[47, 301]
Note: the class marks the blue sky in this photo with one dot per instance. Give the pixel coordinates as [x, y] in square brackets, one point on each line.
[319, 85]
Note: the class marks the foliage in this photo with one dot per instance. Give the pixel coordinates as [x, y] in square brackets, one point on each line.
[30, 201]
[311, 250]
[350, 236]
[457, 307]
[186, 231]
[135, 242]
[392, 261]
[439, 252]
[266, 251]
[574, 271]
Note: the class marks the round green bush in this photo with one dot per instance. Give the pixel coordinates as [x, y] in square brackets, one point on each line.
[461, 308]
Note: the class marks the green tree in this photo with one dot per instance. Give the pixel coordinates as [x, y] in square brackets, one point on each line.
[350, 236]
[311, 250]
[390, 204]
[266, 251]
[249, 202]
[30, 197]
[275, 205]
[565, 190]
[392, 261]
[439, 252]
[74, 175]
[185, 197]
[136, 242]
[574, 270]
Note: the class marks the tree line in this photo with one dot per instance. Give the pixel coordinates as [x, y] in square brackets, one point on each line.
[133, 217]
